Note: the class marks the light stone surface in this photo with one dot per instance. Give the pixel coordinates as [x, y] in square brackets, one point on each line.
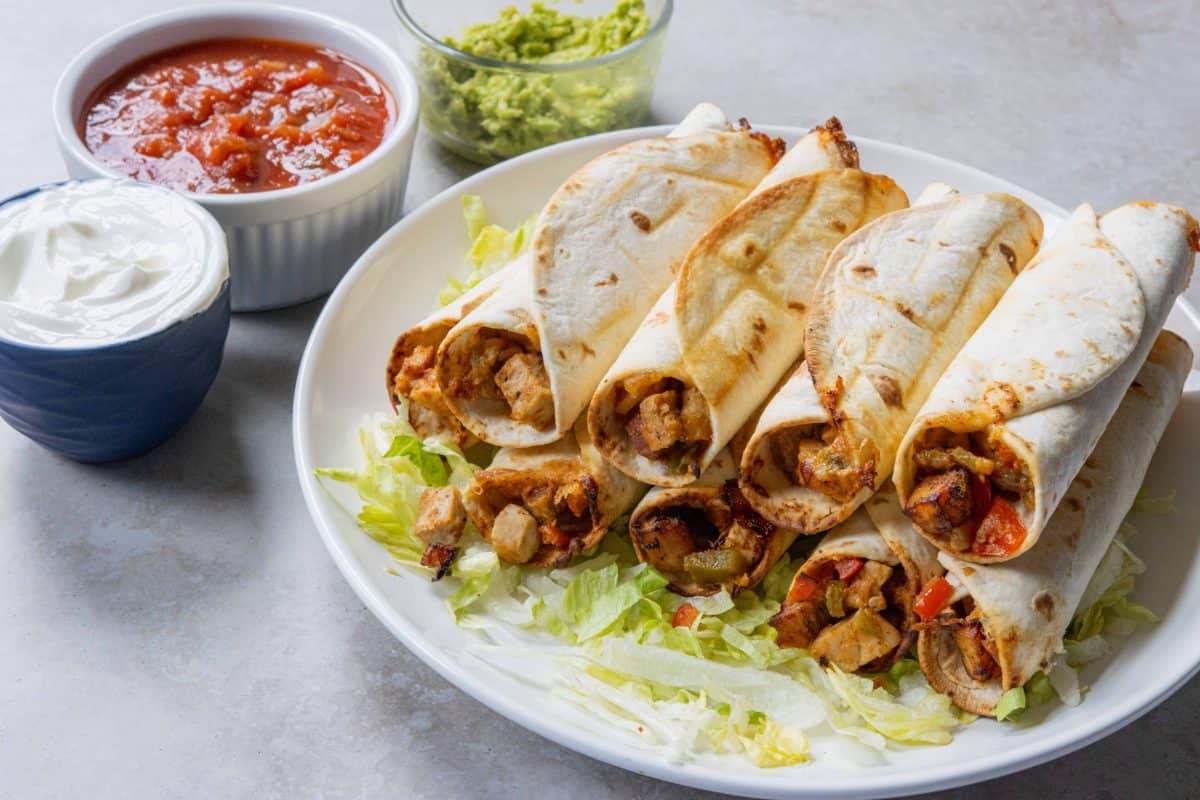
[172, 627]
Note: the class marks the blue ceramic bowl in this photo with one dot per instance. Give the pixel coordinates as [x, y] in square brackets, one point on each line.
[112, 401]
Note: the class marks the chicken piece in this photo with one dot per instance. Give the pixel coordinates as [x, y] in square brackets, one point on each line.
[747, 540]
[666, 538]
[441, 516]
[538, 499]
[856, 641]
[479, 382]
[940, 503]
[693, 416]
[865, 590]
[415, 366]
[799, 623]
[515, 534]
[825, 469]
[526, 388]
[972, 646]
[660, 426]
[636, 387]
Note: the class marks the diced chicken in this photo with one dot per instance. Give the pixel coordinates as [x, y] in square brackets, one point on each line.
[538, 499]
[515, 535]
[665, 539]
[441, 516]
[659, 423]
[747, 540]
[866, 588]
[636, 387]
[693, 416]
[799, 623]
[825, 469]
[526, 388]
[414, 367]
[856, 641]
[940, 503]
[485, 360]
[972, 646]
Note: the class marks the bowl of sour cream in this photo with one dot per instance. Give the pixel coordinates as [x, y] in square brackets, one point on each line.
[114, 308]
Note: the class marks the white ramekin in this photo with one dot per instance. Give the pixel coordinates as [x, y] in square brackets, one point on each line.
[288, 245]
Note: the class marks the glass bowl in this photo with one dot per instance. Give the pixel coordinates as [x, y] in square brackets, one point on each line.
[488, 110]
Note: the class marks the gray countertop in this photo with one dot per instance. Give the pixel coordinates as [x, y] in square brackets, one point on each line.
[172, 626]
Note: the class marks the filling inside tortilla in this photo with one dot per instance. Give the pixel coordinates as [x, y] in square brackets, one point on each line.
[966, 493]
[816, 457]
[413, 377]
[504, 371]
[851, 612]
[665, 420]
[944, 605]
[542, 515]
[705, 541]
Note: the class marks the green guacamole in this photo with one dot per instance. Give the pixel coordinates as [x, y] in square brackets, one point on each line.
[490, 114]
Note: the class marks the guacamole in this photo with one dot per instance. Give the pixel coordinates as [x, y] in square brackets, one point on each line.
[490, 114]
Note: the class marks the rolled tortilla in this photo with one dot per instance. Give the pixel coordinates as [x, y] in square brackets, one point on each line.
[571, 493]
[411, 380]
[885, 563]
[520, 368]
[1022, 607]
[1009, 424]
[704, 537]
[722, 336]
[895, 303]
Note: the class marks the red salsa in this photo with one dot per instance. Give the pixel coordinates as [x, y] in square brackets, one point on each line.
[237, 115]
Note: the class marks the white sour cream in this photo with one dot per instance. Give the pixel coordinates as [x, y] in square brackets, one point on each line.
[104, 261]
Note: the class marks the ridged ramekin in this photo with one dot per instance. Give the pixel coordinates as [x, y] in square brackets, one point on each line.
[115, 400]
[288, 245]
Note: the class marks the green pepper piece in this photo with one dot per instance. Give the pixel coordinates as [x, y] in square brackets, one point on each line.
[715, 566]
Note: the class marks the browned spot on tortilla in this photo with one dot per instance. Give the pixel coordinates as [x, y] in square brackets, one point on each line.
[1085, 481]
[1128, 330]
[889, 390]
[541, 292]
[1009, 256]
[1073, 503]
[749, 249]
[1002, 399]
[543, 258]
[864, 270]
[1158, 261]
[1193, 235]
[838, 225]
[943, 244]
[906, 312]
[611, 280]
[1039, 368]
[937, 298]
[659, 317]
[1060, 353]
[1043, 603]
[910, 239]
[1139, 388]
[698, 149]
[968, 571]
[640, 220]
[796, 305]
[1091, 463]
[670, 181]
[759, 325]
[587, 351]
[562, 353]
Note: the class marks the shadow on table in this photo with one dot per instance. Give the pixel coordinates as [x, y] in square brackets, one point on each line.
[140, 539]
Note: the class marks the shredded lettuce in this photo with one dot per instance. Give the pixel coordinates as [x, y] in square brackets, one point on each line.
[491, 247]
[1011, 704]
[398, 467]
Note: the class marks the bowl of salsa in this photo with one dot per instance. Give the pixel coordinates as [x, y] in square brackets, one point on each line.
[294, 129]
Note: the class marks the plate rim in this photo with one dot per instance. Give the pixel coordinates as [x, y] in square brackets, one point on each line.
[1022, 756]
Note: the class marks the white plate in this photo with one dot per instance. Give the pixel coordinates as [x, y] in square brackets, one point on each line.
[392, 286]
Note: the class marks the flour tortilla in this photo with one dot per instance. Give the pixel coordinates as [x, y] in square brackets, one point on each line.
[607, 244]
[728, 325]
[896, 301]
[1049, 367]
[1028, 602]
[571, 455]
